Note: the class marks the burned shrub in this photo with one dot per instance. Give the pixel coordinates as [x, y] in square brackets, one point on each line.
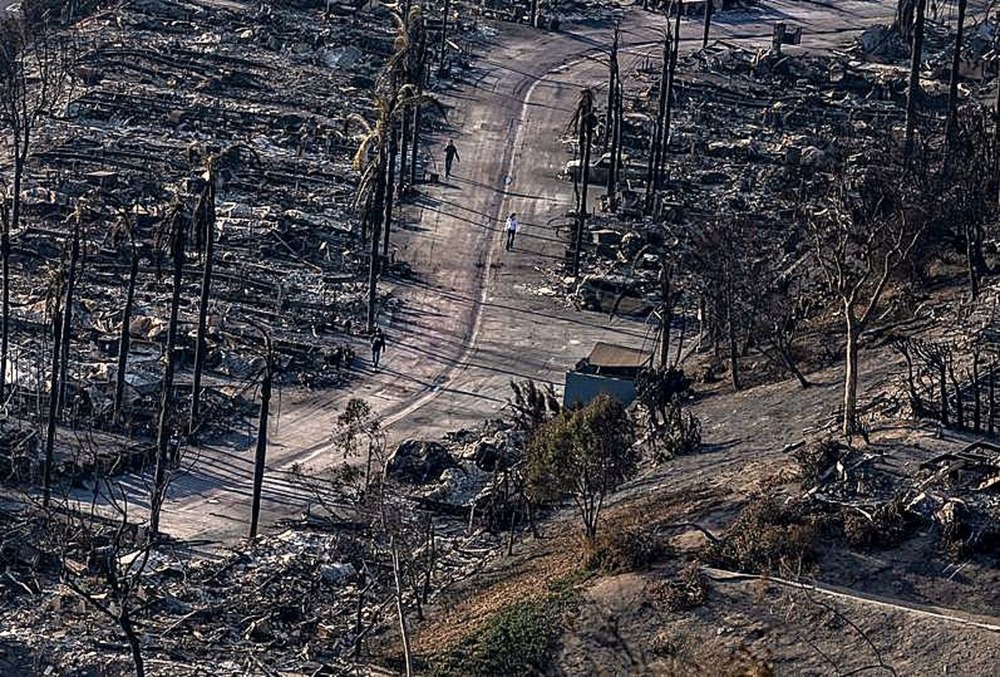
[687, 590]
[682, 433]
[888, 525]
[815, 460]
[657, 389]
[633, 547]
[769, 536]
[532, 405]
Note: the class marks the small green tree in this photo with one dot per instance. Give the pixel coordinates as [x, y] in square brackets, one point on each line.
[585, 453]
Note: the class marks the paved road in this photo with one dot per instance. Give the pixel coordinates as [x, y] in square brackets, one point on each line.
[475, 318]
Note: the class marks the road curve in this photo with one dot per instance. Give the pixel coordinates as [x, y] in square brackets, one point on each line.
[475, 316]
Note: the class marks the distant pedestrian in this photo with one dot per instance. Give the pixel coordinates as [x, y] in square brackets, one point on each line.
[511, 227]
[450, 155]
[378, 345]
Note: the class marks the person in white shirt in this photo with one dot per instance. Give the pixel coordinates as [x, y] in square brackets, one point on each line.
[511, 227]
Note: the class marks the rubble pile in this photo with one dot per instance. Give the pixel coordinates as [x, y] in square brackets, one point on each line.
[299, 601]
[159, 91]
[754, 138]
[883, 500]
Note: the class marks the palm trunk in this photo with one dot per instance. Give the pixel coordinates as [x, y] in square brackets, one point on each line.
[67, 319]
[10, 222]
[404, 138]
[414, 144]
[708, 23]
[166, 396]
[390, 187]
[654, 147]
[50, 430]
[913, 88]
[444, 36]
[375, 217]
[609, 115]
[208, 224]
[672, 67]
[851, 379]
[124, 336]
[421, 77]
[613, 123]
[956, 60]
[666, 310]
[260, 455]
[587, 135]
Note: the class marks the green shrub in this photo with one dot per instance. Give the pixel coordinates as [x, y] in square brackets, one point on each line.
[516, 641]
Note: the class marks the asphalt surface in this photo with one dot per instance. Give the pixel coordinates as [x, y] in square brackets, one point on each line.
[476, 317]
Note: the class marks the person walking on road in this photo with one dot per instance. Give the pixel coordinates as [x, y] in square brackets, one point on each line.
[450, 155]
[511, 227]
[378, 345]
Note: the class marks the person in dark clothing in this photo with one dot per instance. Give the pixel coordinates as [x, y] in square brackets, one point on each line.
[450, 155]
[378, 345]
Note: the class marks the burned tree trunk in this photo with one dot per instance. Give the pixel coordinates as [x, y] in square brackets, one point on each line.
[585, 120]
[260, 455]
[613, 128]
[177, 227]
[374, 219]
[390, 187]
[444, 38]
[666, 310]
[124, 336]
[661, 154]
[707, 23]
[913, 88]
[67, 319]
[956, 60]
[33, 73]
[654, 146]
[977, 407]
[206, 226]
[50, 428]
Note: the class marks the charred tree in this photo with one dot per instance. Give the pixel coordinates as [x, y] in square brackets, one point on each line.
[204, 224]
[260, 454]
[584, 121]
[613, 124]
[67, 311]
[707, 23]
[33, 72]
[653, 161]
[124, 335]
[176, 229]
[956, 62]
[50, 427]
[913, 87]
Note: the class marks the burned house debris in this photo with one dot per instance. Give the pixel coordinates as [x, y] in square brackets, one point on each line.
[210, 206]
